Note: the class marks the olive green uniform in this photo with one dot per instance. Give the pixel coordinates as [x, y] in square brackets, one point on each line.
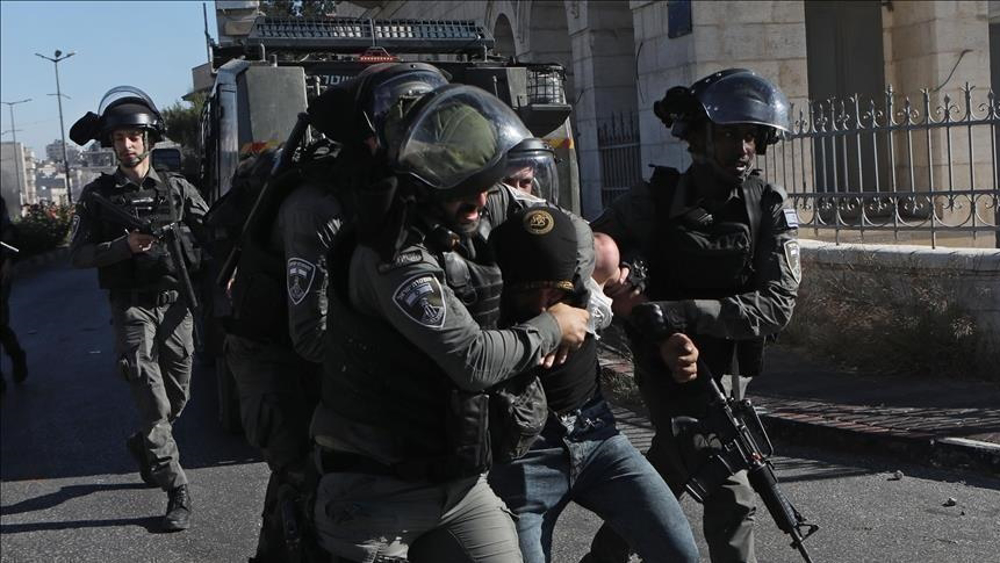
[726, 307]
[153, 325]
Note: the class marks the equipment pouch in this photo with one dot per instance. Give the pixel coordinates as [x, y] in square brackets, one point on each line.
[715, 257]
[467, 425]
[750, 357]
[258, 306]
[518, 411]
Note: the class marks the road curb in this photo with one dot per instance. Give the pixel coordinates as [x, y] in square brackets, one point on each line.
[912, 447]
[28, 265]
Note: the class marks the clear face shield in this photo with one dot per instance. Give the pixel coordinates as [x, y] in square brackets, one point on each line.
[534, 172]
[393, 98]
[121, 93]
[457, 142]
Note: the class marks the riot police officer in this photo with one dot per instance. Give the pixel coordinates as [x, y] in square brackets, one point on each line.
[152, 320]
[400, 427]
[531, 168]
[275, 360]
[723, 265]
[8, 338]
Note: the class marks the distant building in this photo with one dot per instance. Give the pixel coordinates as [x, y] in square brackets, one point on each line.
[17, 176]
[54, 152]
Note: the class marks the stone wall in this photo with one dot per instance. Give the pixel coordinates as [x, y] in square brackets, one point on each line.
[972, 276]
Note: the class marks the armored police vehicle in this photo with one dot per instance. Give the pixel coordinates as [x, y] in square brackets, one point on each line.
[267, 69]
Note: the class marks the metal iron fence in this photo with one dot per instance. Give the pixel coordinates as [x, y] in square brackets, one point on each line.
[858, 166]
[621, 159]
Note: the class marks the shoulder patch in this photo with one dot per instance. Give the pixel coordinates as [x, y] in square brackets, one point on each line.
[401, 259]
[422, 299]
[793, 256]
[791, 218]
[300, 277]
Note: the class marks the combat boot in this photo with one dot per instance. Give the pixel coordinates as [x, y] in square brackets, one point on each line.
[178, 516]
[138, 453]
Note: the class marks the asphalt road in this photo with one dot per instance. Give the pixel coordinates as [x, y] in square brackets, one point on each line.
[70, 493]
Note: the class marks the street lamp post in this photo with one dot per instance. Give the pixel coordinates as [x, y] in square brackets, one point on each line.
[59, 56]
[13, 132]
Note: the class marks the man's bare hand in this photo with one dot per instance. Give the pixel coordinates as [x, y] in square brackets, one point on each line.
[572, 323]
[140, 242]
[622, 305]
[680, 355]
[619, 285]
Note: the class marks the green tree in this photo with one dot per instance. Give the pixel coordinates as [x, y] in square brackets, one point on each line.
[299, 8]
[182, 121]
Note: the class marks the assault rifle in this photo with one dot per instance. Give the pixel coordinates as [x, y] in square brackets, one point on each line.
[732, 439]
[167, 234]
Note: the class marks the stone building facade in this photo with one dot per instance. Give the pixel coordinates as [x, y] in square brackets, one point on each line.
[621, 56]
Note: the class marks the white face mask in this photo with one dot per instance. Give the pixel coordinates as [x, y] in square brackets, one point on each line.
[599, 308]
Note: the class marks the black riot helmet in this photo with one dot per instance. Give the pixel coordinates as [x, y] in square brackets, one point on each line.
[728, 97]
[531, 166]
[454, 141]
[360, 108]
[122, 107]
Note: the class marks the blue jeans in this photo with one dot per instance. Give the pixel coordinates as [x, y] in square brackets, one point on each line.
[581, 457]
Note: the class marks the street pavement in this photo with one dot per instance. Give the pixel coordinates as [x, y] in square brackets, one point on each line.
[69, 492]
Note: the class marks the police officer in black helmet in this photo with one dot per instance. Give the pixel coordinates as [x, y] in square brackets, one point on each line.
[400, 428]
[724, 267]
[275, 359]
[153, 323]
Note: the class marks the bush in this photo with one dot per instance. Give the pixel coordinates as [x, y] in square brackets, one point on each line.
[42, 228]
[885, 321]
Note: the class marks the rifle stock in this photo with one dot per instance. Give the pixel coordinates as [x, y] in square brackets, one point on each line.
[744, 442]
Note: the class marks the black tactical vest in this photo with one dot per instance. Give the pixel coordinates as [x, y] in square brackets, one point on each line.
[699, 254]
[160, 205]
[376, 378]
[476, 281]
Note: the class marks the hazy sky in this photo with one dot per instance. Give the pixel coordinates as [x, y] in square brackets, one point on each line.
[149, 44]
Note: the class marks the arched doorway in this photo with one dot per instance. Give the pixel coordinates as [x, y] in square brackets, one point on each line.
[504, 35]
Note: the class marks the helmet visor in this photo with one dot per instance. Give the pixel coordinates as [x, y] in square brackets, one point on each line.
[746, 98]
[459, 133]
[120, 94]
[407, 86]
[533, 172]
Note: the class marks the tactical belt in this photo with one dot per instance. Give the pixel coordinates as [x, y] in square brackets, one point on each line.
[145, 298]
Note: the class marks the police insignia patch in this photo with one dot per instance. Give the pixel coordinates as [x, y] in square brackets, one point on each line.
[422, 300]
[791, 218]
[538, 221]
[794, 258]
[75, 226]
[300, 277]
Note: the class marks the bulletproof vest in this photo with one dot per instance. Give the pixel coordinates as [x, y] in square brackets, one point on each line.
[160, 205]
[438, 430]
[702, 253]
[707, 254]
[473, 275]
[260, 306]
